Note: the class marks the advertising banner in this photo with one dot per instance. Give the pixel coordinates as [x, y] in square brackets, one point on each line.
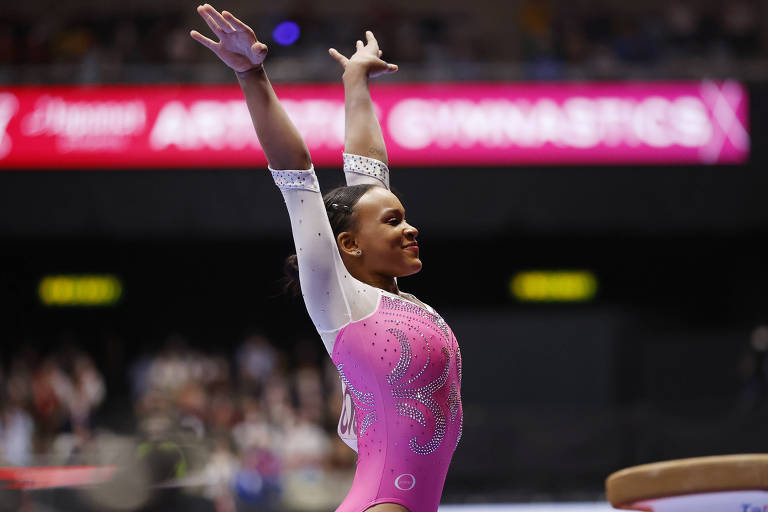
[441, 124]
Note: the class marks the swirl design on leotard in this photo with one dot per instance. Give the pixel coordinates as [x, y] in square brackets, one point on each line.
[365, 401]
[405, 356]
[411, 412]
[403, 390]
[422, 395]
[453, 401]
[458, 363]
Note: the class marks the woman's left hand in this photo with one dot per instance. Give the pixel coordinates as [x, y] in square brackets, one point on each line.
[367, 57]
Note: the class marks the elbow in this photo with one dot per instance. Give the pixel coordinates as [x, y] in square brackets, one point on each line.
[305, 160]
[293, 162]
[301, 161]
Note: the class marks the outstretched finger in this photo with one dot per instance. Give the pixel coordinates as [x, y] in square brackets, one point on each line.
[218, 18]
[210, 22]
[371, 40]
[391, 68]
[359, 45]
[200, 38]
[339, 57]
[234, 21]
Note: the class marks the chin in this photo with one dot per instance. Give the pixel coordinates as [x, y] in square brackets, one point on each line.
[414, 269]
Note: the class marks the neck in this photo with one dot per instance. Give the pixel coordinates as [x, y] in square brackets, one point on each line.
[386, 283]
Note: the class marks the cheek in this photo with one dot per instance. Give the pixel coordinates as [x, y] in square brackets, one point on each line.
[382, 238]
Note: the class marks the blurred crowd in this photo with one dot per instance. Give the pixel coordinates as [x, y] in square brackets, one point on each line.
[544, 38]
[253, 427]
[41, 398]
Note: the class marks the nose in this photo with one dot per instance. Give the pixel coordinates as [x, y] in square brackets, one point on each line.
[411, 231]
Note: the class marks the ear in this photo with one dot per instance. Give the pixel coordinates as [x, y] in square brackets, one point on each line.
[347, 242]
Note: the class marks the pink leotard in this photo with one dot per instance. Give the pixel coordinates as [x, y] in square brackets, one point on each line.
[398, 361]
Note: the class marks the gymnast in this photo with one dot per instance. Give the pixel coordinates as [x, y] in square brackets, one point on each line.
[397, 358]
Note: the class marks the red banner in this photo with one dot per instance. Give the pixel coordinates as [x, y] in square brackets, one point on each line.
[424, 124]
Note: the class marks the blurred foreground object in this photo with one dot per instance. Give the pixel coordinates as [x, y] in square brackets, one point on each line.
[728, 482]
[48, 477]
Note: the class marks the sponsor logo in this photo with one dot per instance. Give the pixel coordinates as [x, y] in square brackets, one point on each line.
[407, 481]
[86, 125]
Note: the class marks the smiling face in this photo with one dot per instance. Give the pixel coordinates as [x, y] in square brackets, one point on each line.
[387, 241]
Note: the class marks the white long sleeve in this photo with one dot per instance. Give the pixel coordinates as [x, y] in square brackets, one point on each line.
[333, 297]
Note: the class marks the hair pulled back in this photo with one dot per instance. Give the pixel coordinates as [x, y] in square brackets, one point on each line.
[340, 206]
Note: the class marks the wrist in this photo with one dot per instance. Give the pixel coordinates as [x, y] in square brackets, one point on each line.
[355, 73]
[254, 71]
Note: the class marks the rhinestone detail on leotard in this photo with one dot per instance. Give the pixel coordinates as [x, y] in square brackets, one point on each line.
[410, 307]
[411, 412]
[367, 166]
[458, 363]
[405, 356]
[364, 398]
[453, 401]
[368, 419]
[304, 180]
[424, 394]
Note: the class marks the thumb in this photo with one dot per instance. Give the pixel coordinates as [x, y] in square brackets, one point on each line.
[259, 47]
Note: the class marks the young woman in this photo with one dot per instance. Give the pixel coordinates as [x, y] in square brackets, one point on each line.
[398, 360]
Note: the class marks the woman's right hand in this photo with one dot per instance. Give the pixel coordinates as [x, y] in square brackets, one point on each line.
[238, 46]
[367, 57]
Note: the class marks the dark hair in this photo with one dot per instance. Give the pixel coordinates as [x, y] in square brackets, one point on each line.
[340, 207]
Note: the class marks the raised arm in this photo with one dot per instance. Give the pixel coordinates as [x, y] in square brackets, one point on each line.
[239, 49]
[325, 283]
[362, 132]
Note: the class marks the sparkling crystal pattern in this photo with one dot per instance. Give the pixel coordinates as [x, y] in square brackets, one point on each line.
[411, 412]
[423, 395]
[364, 398]
[405, 390]
[368, 419]
[367, 166]
[453, 401]
[303, 180]
[458, 363]
[405, 356]
[414, 309]
[365, 403]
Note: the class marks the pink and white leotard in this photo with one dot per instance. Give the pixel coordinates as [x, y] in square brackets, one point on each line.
[399, 362]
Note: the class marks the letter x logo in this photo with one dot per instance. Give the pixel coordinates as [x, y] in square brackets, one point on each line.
[8, 107]
[723, 102]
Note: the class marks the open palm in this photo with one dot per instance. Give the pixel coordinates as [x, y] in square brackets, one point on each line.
[238, 46]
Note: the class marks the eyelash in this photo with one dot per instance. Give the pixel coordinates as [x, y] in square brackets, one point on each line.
[395, 219]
